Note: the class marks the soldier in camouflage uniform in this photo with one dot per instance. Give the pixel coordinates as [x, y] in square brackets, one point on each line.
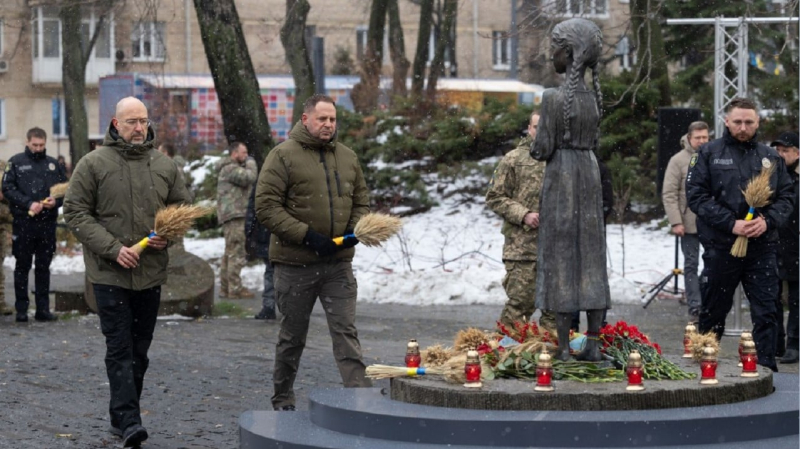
[237, 174]
[5, 227]
[514, 195]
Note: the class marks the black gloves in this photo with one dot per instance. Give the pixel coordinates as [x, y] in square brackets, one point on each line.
[350, 240]
[321, 245]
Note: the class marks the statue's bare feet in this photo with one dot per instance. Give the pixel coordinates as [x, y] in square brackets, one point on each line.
[563, 354]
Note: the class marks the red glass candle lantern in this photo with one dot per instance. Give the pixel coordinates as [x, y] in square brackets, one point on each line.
[746, 336]
[413, 358]
[544, 372]
[634, 372]
[687, 340]
[708, 366]
[749, 359]
[472, 370]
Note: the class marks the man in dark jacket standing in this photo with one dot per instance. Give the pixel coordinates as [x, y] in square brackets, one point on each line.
[310, 190]
[111, 204]
[257, 245]
[788, 264]
[26, 184]
[718, 173]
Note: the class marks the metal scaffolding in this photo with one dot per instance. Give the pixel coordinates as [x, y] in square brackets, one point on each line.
[730, 45]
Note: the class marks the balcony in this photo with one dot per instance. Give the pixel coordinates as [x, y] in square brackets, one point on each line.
[47, 51]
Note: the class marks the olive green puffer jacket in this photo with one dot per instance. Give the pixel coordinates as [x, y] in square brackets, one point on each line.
[112, 201]
[304, 183]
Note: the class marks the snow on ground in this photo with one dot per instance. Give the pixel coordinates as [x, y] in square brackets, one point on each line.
[452, 254]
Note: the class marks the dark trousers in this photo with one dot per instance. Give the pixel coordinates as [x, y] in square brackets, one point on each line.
[33, 238]
[792, 324]
[296, 291]
[758, 274]
[127, 319]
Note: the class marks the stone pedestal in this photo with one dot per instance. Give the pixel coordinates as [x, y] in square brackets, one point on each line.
[189, 289]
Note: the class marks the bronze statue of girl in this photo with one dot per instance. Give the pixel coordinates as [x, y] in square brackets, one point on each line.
[572, 249]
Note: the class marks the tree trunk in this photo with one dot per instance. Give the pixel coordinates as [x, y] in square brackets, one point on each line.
[444, 42]
[73, 81]
[243, 113]
[652, 58]
[365, 93]
[423, 42]
[397, 50]
[293, 34]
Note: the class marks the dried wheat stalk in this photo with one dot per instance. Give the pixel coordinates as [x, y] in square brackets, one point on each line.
[375, 228]
[756, 194]
[59, 190]
[172, 222]
[699, 341]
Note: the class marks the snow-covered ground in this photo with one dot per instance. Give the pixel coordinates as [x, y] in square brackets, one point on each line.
[452, 254]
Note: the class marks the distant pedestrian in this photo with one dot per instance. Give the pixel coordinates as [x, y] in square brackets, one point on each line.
[788, 253]
[26, 185]
[682, 219]
[514, 195]
[237, 175]
[718, 174]
[310, 190]
[109, 214]
[257, 238]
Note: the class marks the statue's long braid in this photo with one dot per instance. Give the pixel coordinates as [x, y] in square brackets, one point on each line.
[572, 86]
[599, 98]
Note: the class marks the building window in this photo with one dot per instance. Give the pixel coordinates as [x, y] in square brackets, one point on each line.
[59, 118]
[46, 33]
[586, 8]
[361, 44]
[2, 118]
[102, 46]
[432, 43]
[501, 50]
[1, 36]
[147, 40]
[626, 54]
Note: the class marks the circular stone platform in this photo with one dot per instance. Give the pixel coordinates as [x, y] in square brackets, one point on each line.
[516, 394]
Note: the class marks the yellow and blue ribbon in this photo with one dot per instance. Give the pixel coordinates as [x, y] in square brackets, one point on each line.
[414, 372]
[750, 214]
[340, 240]
[143, 242]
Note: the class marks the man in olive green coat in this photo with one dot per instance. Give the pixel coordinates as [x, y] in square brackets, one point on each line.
[514, 195]
[310, 190]
[110, 206]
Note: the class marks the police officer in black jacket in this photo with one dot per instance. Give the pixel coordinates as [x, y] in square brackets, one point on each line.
[788, 254]
[718, 173]
[26, 184]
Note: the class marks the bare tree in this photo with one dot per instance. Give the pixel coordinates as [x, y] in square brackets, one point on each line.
[423, 41]
[445, 41]
[397, 50]
[293, 34]
[243, 115]
[365, 92]
[75, 57]
[651, 56]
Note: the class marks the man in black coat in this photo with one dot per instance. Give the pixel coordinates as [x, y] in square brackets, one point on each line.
[26, 185]
[787, 146]
[257, 247]
[718, 173]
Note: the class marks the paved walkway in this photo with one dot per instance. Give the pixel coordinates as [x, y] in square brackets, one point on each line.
[204, 373]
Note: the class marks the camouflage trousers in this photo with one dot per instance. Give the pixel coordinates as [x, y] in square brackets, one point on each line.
[234, 259]
[520, 286]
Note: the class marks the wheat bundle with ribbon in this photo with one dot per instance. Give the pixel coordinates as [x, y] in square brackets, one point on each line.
[756, 194]
[389, 372]
[172, 222]
[56, 191]
[373, 229]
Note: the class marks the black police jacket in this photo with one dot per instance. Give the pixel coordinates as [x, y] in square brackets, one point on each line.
[256, 234]
[718, 173]
[28, 179]
[788, 254]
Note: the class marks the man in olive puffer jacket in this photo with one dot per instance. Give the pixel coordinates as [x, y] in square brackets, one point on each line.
[310, 190]
[110, 206]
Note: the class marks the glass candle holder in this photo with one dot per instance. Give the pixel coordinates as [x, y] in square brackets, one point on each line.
[472, 370]
[687, 340]
[413, 358]
[544, 372]
[634, 371]
[749, 360]
[708, 366]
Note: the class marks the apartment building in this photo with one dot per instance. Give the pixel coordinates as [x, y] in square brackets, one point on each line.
[162, 37]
